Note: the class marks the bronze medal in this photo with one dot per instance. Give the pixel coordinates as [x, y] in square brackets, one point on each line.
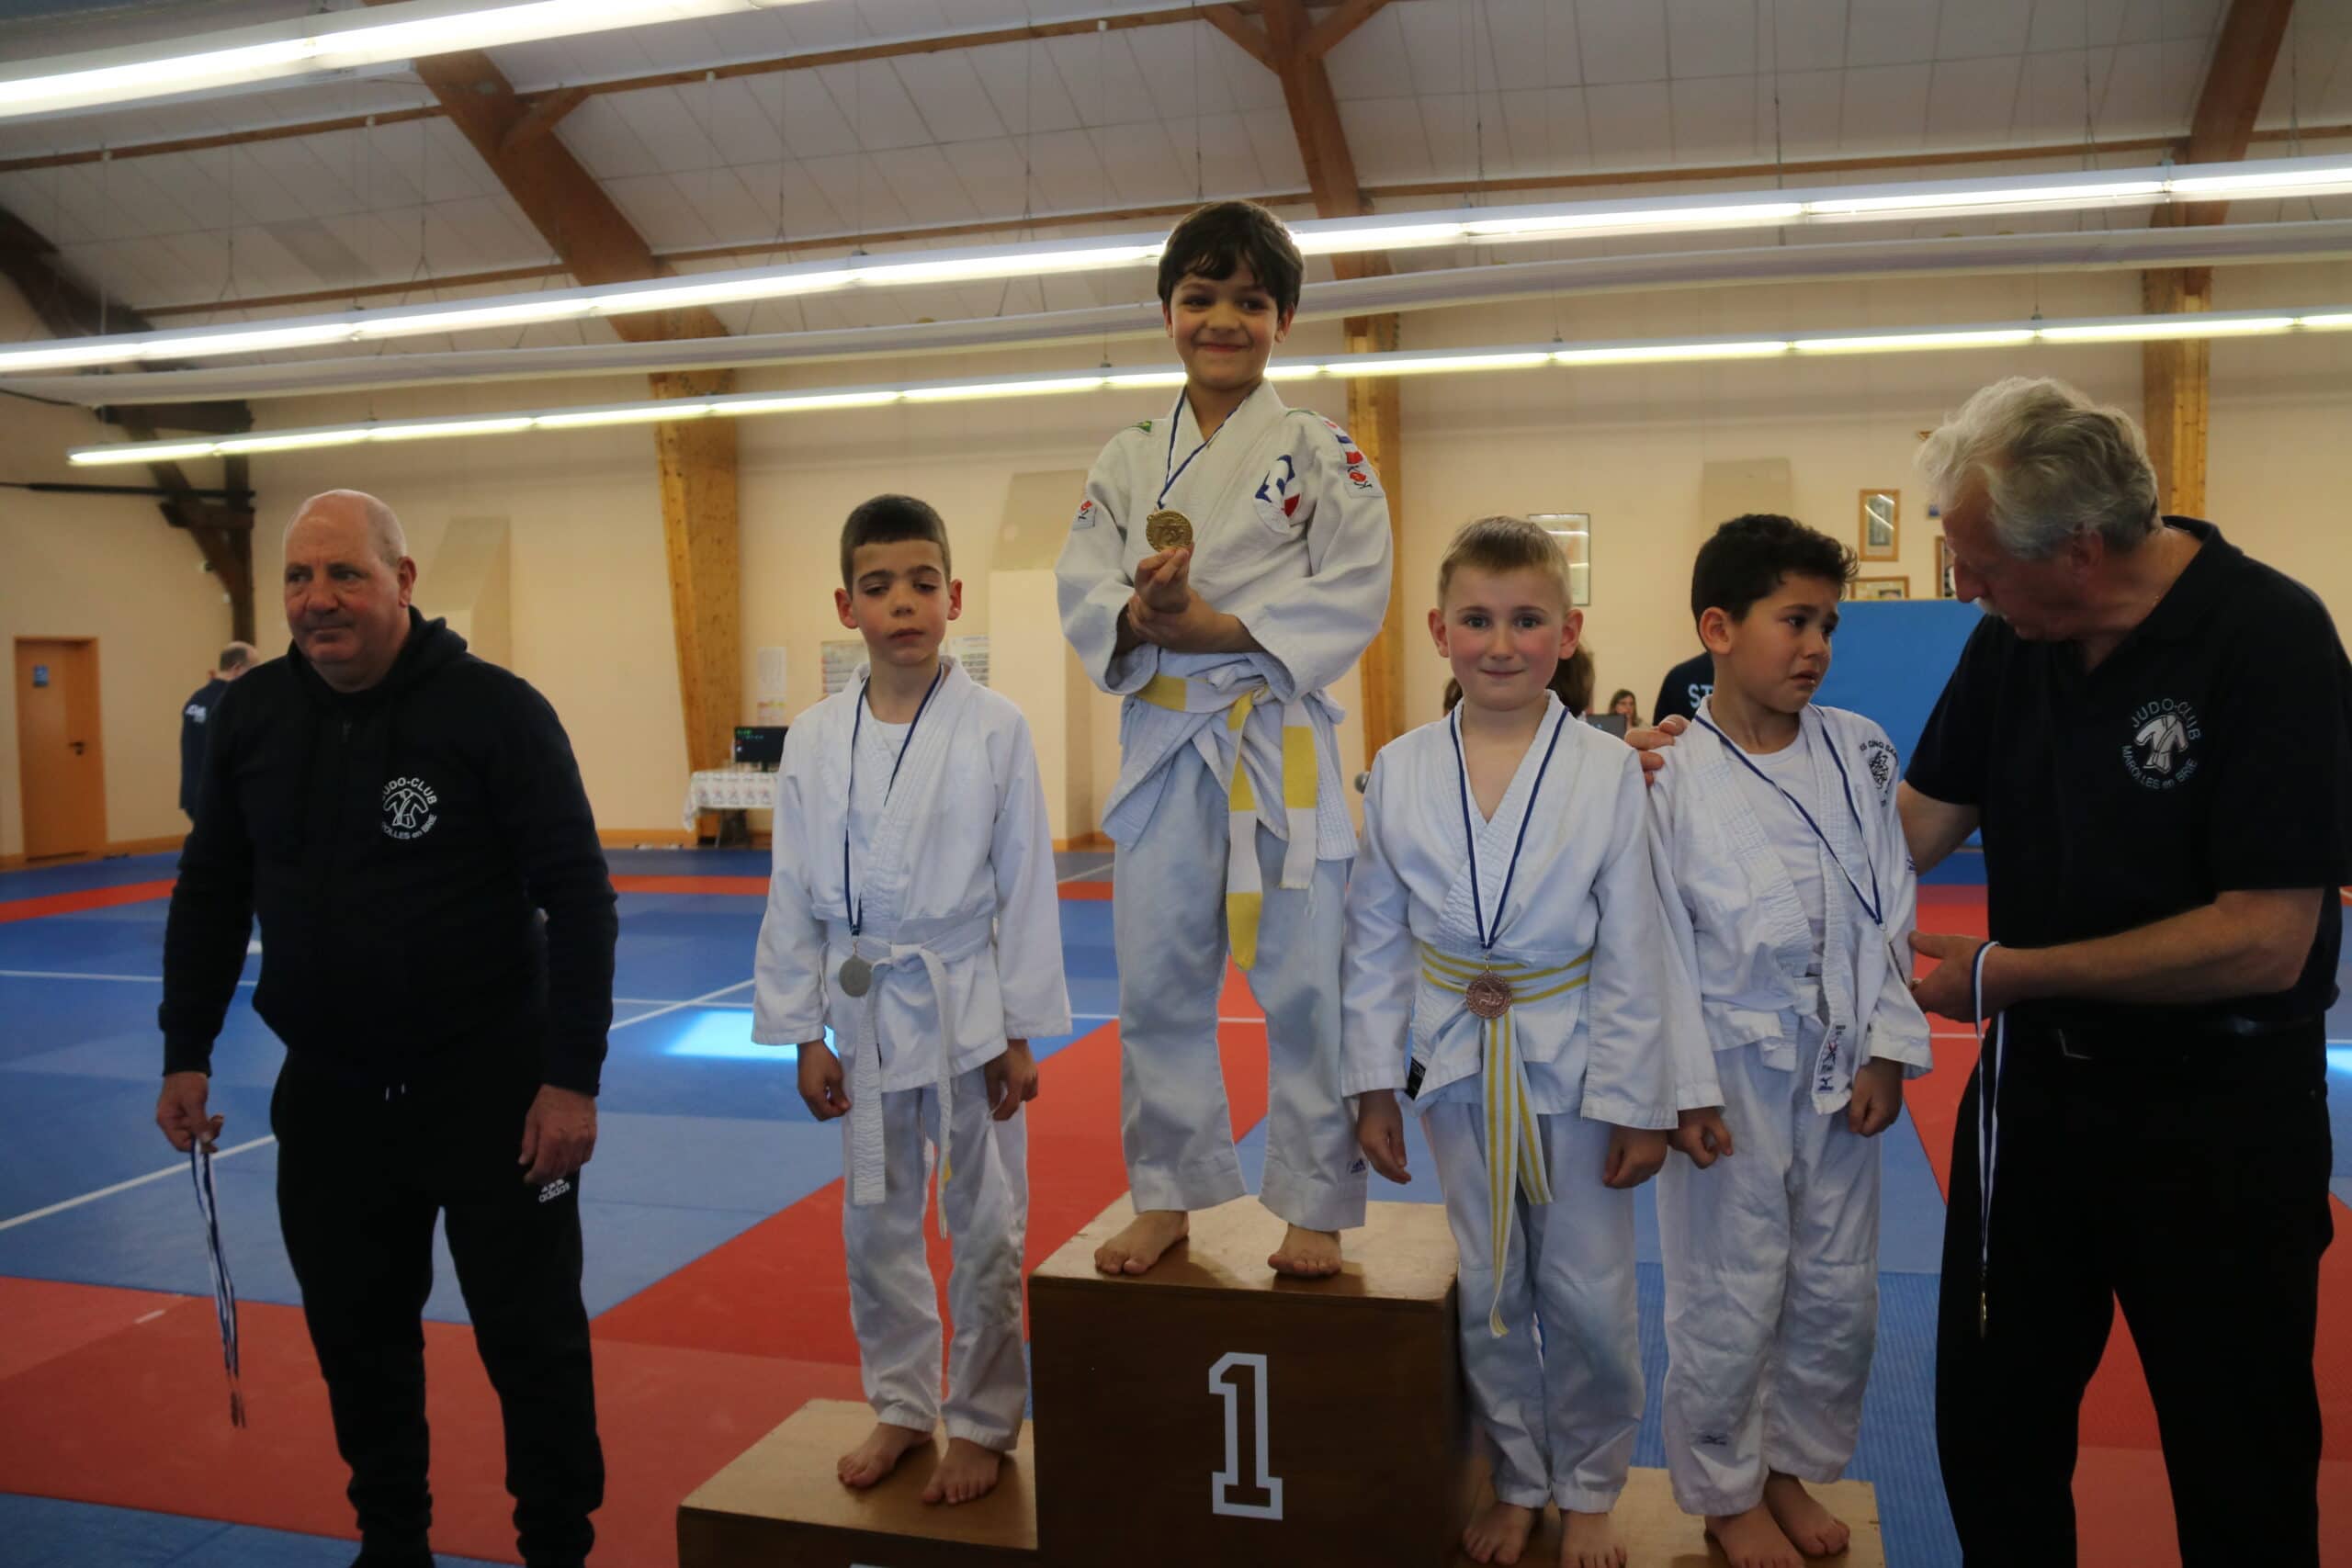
[1489, 996]
[1168, 530]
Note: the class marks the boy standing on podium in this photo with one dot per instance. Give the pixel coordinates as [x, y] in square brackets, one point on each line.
[1510, 967]
[1227, 564]
[913, 919]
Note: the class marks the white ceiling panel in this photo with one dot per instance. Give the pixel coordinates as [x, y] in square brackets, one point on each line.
[994, 172]
[1547, 128]
[2151, 87]
[1621, 41]
[925, 182]
[1715, 121]
[1631, 123]
[658, 210]
[1712, 38]
[739, 118]
[1885, 108]
[673, 136]
[729, 205]
[860, 198]
[2052, 98]
[1183, 77]
[603, 135]
[868, 94]
[1372, 62]
[1805, 123]
[1277, 149]
[954, 104]
[1437, 49]
[1977, 28]
[1807, 35]
[1023, 87]
[1972, 102]
[1889, 32]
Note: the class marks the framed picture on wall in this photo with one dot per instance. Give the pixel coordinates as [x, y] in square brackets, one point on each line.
[1574, 530]
[1882, 525]
[1879, 588]
[1945, 588]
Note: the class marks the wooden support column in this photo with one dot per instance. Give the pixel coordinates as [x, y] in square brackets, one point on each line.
[2175, 377]
[598, 244]
[1292, 46]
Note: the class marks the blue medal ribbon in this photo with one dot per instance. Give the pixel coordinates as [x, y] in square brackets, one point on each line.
[1872, 904]
[1487, 934]
[849, 897]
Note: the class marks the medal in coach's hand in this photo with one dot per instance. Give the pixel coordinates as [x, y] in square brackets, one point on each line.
[1168, 530]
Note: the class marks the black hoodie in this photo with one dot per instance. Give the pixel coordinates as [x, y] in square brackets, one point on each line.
[397, 844]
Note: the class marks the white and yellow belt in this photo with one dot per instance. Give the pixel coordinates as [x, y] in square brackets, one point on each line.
[1514, 1147]
[1301, 786]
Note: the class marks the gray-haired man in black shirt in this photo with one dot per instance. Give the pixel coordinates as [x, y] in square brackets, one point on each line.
[2165, 827]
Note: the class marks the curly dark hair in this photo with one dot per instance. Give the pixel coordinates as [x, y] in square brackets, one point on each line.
[1749, 556]
[1212, 242]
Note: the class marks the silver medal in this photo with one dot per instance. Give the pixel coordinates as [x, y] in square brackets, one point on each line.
[857, 976]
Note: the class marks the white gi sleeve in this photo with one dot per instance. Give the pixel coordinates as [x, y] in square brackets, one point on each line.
[1091, 585]
[1315, 631]
[1685, 1019]
[1379, 967]
[1631, 1077]
[788, 970]
[1028, 904]
[1898, 1030]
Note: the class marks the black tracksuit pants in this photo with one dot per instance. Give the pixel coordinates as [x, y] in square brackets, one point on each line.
[2188, 1181]
[361, 1174]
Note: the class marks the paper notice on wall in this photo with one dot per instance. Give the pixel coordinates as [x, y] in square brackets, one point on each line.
[972, 653]
[772, 705]
[841, 660]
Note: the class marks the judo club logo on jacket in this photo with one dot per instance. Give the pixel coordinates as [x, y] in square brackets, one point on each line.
[2164, 734]
[408, 808]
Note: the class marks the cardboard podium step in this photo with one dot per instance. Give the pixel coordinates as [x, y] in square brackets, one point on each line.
[1212, 1412]
[781, 1503]
[1657, 1534]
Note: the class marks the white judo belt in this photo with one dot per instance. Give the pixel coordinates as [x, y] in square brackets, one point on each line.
[868, 1160]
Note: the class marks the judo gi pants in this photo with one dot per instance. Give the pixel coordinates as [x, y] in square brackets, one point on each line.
[893, 1302]
[1167, 920]
[1559, 1396]
[2186, 1179]
[360, 1177]
[1772, 1291]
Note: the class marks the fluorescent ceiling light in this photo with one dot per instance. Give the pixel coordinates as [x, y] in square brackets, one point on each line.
[430, 430]
[333, 41]
[1692, 350]
[963, 392]
[796, 402]
[2311, 176]
[1659, 352]
[1484, 225]
[1295, 372]
[2128, 331]
[1896, 342]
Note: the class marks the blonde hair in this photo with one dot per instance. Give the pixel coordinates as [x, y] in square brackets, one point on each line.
[1515, 544]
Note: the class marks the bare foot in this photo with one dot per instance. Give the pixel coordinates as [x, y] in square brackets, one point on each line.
[1498, 1533]
[878, 1455]
[1135, 1249]
[1589, 1540]
[965, 1472]
[1753, 1540]
[1812, 1529]
[1307, 1255]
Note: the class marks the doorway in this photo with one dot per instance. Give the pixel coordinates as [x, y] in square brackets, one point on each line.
[60, 764]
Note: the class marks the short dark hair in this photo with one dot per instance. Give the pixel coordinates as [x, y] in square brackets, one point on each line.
[233, 657]
[1750, 555]
[889, 520]
[1213, 240]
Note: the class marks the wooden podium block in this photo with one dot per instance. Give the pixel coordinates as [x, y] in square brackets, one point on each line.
[780, 1502]
[1212, 1411]
[1657, 1534]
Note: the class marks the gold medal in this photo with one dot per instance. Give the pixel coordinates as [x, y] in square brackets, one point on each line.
[1168, 530]
[1487, 996]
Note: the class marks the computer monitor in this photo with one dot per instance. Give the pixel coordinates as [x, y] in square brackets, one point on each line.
[1608, 723]
[762, 744]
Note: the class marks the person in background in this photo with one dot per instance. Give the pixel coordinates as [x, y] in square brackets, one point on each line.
[1624, 707]
[1684, 686]
[236, 660]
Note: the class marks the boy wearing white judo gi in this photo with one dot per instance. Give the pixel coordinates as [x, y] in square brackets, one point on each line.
[1228, 564]
[1510, 966]
[1777, 819]
[913, 912]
